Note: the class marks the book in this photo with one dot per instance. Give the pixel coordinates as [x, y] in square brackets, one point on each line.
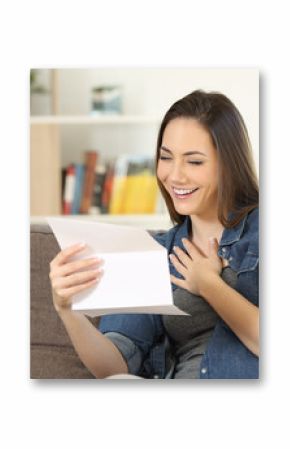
[63, 175]
[96, 203]
[91, 158]
[78, 188]
[135, 189]
[141, 187]
[69, 185]
[107, 187]
[118, 188]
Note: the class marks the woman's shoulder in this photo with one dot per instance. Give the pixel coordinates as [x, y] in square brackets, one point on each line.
[165, 238]
[241, 243]
[245, 250]
[251, 231]
[253, 220]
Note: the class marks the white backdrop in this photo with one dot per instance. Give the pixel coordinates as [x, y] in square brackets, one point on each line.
[78, 414]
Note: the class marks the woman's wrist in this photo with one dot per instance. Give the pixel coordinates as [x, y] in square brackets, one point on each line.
[209, 285]
[61, 308]
[61, 311]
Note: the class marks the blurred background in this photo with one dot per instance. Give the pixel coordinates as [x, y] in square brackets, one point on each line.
[93, 137]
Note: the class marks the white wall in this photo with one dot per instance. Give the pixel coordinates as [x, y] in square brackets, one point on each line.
[148, 91]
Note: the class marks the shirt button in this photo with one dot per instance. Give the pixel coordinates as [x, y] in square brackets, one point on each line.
[204, 370]
[223, 250]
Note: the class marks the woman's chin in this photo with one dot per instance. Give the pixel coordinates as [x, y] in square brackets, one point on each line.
[184, 209]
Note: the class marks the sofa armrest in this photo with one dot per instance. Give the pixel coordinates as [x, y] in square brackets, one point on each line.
[52, 355]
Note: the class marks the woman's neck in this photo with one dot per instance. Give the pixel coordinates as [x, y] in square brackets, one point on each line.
[203, 229]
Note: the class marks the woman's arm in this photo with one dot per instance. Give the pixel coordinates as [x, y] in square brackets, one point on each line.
[240, 314]
[97, 352]
[201, 276]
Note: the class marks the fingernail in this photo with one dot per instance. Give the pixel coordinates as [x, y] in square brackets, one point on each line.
[81, 244]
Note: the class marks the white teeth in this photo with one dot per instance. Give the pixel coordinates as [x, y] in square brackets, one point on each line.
[182, 191]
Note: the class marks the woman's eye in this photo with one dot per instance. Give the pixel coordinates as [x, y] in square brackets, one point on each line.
[196, 162]
[166, 158]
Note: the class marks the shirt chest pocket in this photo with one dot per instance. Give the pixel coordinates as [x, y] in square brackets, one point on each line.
[247, 263]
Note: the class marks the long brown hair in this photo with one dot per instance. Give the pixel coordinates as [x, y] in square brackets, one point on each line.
[237, 181]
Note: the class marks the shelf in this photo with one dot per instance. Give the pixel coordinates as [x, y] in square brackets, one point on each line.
[148, 221]
[93, 119]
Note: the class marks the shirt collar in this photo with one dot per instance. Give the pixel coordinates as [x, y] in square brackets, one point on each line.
[183, 231]
[229, 235]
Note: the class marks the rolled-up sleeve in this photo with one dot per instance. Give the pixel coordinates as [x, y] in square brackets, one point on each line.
[130, 351]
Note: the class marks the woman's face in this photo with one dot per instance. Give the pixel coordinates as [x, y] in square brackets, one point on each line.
[188, 168]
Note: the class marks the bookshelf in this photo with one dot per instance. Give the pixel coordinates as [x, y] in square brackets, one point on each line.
[45, 168]
[57, 140]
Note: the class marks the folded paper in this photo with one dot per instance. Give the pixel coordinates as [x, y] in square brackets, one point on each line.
[136, 275]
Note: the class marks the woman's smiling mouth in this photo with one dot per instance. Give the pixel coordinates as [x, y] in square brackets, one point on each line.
[183, 193]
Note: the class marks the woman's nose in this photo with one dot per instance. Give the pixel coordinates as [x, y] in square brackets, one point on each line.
[178, 174]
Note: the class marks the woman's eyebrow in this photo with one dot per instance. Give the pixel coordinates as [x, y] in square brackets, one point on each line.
[187, 153]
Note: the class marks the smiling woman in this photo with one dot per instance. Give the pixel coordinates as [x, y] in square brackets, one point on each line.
[205, 172]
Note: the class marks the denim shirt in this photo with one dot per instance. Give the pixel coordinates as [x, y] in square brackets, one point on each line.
[226, 357]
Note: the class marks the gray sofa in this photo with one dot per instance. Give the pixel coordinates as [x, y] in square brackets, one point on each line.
[52, 355]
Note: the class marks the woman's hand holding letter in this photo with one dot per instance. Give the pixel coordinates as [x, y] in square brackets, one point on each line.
[71, 277]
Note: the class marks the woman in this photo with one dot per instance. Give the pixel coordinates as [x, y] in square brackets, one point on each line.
[205, 173]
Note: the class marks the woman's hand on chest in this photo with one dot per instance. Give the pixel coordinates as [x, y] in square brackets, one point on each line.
[195, 267]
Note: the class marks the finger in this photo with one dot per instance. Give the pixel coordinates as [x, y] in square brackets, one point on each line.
[192, 249]
[69, 292]
[78, 265]
[66, 253]
[178, 265]
[177, 281]
[225, 263]
[182, 256]
[76, 279]
[213, 246]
